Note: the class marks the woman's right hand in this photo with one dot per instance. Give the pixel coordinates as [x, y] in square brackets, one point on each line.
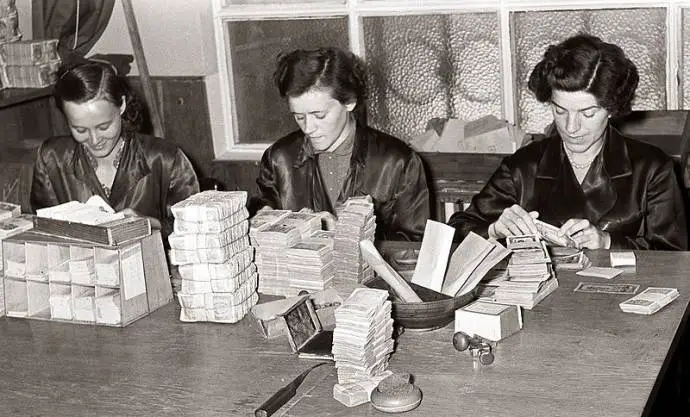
[514, 221]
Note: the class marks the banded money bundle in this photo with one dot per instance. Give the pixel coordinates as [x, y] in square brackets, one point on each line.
[29, 64]
[356, 222]
[210, 245]
[363, 335]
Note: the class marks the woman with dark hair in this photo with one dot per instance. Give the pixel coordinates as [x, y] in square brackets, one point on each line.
[105, 156]
[335, 155]
[602, 189]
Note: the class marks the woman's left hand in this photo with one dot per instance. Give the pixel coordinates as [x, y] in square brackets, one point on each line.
[586, 235]
[155, 223]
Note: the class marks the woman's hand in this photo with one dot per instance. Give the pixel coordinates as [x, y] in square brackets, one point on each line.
[514, 221]
[586, 235]
[155, 223]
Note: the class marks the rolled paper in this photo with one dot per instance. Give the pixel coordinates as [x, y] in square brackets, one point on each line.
[387, 273]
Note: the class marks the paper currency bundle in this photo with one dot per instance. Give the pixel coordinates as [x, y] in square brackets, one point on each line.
[287, 259]
[210, 245]
[356, 222]
[29, 64]
[363, 335]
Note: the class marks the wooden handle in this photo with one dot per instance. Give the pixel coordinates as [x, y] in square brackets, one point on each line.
[274, 403]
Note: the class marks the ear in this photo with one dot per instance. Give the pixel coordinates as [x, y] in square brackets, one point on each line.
[123, 106]
[351, 106]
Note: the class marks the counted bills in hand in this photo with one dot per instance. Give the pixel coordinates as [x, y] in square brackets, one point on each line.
[607, 288]
[553, 235]
[649, 301]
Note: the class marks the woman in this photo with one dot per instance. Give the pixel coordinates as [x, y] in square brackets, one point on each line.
[135, 173]
[335, 155]
[601, 188]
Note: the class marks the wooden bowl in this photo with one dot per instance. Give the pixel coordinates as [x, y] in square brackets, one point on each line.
[435, 311]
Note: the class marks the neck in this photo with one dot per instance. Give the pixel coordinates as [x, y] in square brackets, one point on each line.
[344, 134]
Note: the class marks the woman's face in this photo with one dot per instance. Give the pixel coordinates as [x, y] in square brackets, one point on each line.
[580, 120]
[96, 124]
[321, 117]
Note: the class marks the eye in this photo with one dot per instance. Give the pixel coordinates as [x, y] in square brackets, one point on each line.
[80, 130]
[589, 113]
[558, 110]
[320, 115]
[299, 117]
[103, 128]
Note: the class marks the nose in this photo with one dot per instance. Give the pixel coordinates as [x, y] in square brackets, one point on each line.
[572, 122]
[309, 125]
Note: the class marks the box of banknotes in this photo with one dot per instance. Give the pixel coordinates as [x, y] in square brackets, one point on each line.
[29, 52]
[54, 278]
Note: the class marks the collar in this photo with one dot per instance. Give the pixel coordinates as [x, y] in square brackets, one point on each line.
[616, 160]
[359, 148]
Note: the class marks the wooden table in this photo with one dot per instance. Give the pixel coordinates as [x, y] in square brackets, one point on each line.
[578, 355]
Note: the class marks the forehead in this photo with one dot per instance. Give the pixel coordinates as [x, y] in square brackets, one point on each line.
[312, 100]
[574, 100]
[92, 112]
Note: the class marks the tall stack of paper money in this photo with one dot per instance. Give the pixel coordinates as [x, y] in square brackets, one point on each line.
[29, 64]
[363, 335]
[11, 223]
[286, 265]
[530, 274]
[356, 222]
[210, 243]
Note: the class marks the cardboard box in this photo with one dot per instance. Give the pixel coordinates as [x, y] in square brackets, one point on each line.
[488, 320]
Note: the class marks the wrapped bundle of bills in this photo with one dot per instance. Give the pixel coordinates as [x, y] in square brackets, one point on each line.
[210, 244]
[530, 260]
[306, 223]
[355, 393]
[310, 265]
[29, 76]
[29, 53]
[363, 335]
[11, 226]
[649, 301]
[9, 22]
[8, 210]
[356, 222]
[210, 206]
[263, 219]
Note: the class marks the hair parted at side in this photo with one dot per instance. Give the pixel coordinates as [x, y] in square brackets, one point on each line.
[325, 68]
[586, 63]
[97, 80]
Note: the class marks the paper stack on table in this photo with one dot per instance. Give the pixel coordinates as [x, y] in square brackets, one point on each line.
[356, 222]
[210, 243]
[363, 336]
[285, 265]
[649, 301]
[530, 275]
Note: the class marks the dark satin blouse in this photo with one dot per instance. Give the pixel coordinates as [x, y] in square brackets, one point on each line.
[630, 191]
[381, 166]
[152, 176]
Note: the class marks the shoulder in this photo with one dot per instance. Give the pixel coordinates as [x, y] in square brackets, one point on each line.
[640, 152]
[152, 146]
[532, 153]
[285, 149]
[58, 144]
[382, 143]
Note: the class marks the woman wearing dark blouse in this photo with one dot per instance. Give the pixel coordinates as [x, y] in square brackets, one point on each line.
[135, 173]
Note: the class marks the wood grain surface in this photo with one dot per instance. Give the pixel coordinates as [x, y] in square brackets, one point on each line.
[578, 355]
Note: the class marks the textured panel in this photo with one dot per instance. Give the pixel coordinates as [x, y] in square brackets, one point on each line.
[429, 66]
[227, 3]
[685, 63]
[262, 115]
[641, 33]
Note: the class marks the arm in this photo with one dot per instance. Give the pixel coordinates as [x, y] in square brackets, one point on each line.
[42, 192]
[268, 183]
[665, 223]
[183, 183]
[499, 193]
[407, 212]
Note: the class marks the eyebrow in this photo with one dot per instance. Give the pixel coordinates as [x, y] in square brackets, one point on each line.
[311, 112]
[586, 108]
[98, 125]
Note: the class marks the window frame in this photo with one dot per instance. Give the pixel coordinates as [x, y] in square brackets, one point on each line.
[228, 148]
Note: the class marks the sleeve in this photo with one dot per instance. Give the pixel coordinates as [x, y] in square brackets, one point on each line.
[665, 225]
[486, 207]
[409, 209]
[268, 182]
[182, 184]
[42, 192]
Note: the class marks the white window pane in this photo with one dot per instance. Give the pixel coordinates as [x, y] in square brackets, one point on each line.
[431, 66]
[262, 115]
[641, 33]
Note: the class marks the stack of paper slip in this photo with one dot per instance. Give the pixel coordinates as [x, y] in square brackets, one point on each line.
[356, 222]
[263, 219]
[649, 301]
[310, 265]
[8, 210]
[12, 223]
[353, 394]
[210, 245]
[29, 64]
[363, 335]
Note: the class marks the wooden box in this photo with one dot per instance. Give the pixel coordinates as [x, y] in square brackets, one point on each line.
[54, 278]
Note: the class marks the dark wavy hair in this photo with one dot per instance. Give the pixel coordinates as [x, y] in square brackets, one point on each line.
[586, 63]
[91, 80]
[343, 72]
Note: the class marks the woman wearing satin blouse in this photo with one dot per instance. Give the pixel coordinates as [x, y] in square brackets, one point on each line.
[137, 174]
[601, 188]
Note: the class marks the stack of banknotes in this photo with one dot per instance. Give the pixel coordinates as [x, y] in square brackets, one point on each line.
[649, 301]
[29, 64]
[363, 337]
[210, 244]
[356, 222]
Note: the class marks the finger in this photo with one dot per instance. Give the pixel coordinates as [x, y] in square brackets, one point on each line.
[520, 221]
[573, 226]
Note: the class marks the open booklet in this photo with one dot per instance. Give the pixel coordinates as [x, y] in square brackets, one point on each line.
[94, 212]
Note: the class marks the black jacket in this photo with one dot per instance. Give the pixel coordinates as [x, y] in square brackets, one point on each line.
[153, 175]
[381, 166]
[630, 191]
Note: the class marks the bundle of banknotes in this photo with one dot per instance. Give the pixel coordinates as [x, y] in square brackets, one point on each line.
[29, 64]
[356, 222]
[363, 335]
[210, 245]
[649, 301]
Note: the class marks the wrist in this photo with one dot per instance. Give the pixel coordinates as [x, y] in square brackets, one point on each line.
[492, 231]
